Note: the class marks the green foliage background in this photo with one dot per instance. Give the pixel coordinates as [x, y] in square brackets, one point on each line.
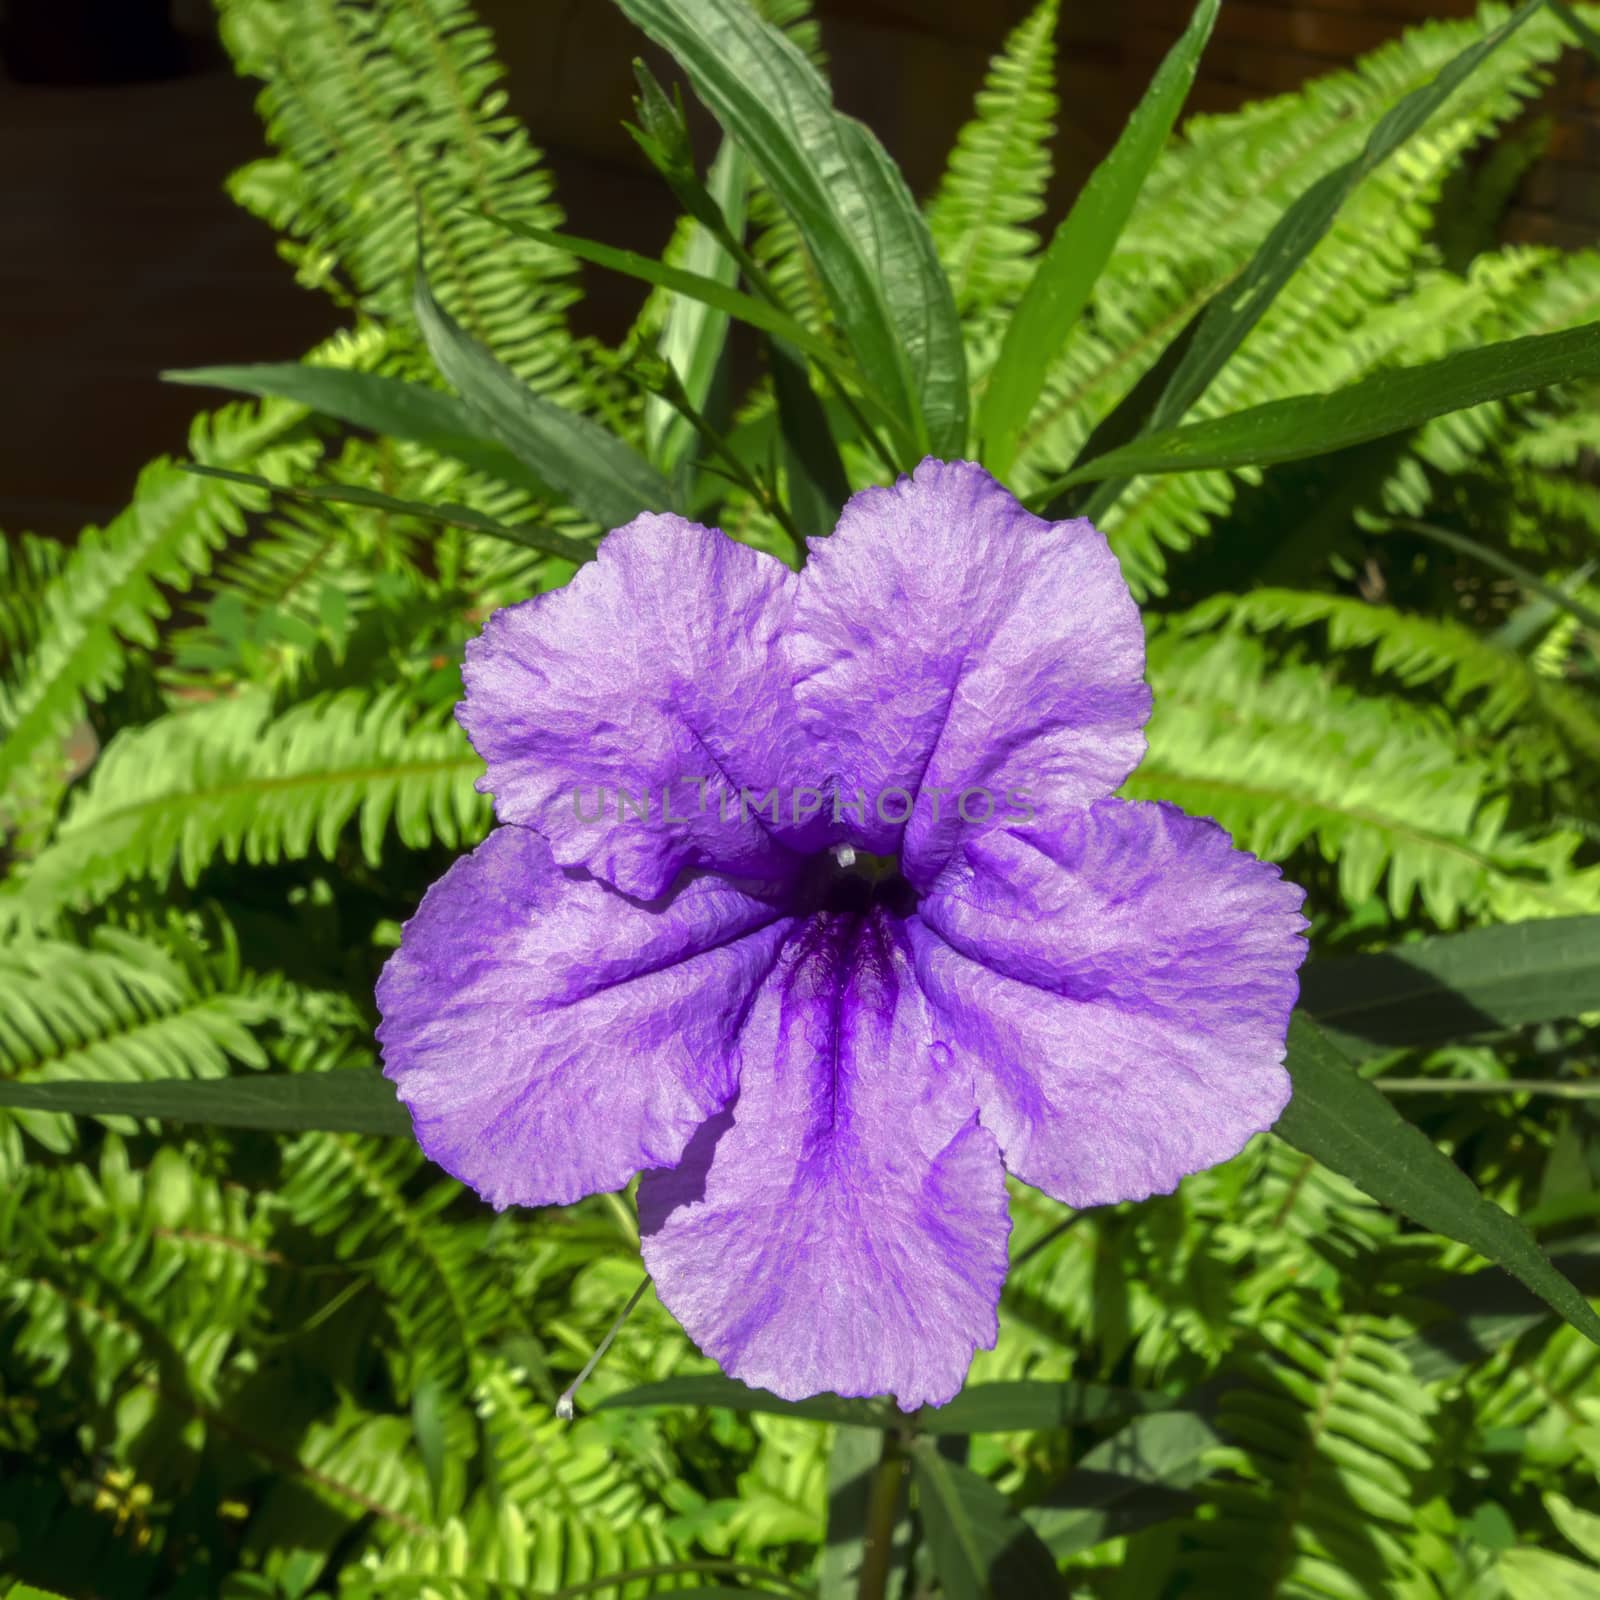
[245, 1365]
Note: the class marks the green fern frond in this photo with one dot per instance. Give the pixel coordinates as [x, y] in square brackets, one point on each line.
[447, 1295]
[122, 1006]
[993, 187]
[230, 780]
[28, 565]
[1417, 650]
[391, 128]
[1285, 758]
[1208, 204]
[112, 589]
[1331, 1440]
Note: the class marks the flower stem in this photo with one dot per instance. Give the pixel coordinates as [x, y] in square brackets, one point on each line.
[883, 1511]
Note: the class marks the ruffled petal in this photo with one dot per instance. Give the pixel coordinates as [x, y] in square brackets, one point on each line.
[551, 1036]
[843, 1227]
[625, 715]
[1120, 986]
[951, 648]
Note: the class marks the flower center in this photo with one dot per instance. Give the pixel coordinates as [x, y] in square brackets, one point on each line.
[850, 880]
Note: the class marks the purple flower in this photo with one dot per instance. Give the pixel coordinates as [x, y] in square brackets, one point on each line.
[684, 952]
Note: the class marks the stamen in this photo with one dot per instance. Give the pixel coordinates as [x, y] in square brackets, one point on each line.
[844, 854]
[564, 1400]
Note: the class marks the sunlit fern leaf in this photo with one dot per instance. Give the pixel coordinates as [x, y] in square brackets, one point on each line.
[1546, 1389]
[122, 1006]
[1500, 684]
[136, 1304]
[1215, 193]
[230, 780]
[560, 1508]
[780, 1496]
[27, 566]
[1209, 202]
[1284, 758]
[1330, 1441]
[994, 184]
[1523, 292]
[390, 125]
[349, 1477]
[116, 584]
[447, 1294]
[1358, 305]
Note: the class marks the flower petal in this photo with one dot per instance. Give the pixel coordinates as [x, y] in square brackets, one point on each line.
[657, 670]
[945, 639]
[551, 1036]
[1121, 986]
[844, 1228]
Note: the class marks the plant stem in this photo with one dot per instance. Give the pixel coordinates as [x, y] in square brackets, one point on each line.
[1561, 1090]
[883, 1510]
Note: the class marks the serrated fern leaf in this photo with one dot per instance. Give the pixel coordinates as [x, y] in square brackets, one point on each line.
[232, 781]
[993, 187]
[390, 125]
[1417, 650]
[111, 591]
[1283, 758]
[1330, 1439]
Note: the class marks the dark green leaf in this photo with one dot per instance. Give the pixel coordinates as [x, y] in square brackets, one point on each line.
[385, 405]
[428, 1427]
[693, 340]
[1486, 1310]
[860, 224]
[351, 1100]
[712, 1389]
[1453, 986]
[981, 1548]
[595, 470]
[1387, 402]
[1579, 29]
[1134, 1478]
[1025, 1404]
[1236, 310]
[709, 291]
[1060, 288]
[545, 540]
[815, 475]
[1348, 1125]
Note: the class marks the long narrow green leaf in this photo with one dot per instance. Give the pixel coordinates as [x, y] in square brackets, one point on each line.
[712, 1389]
[1387, 402]
[544, 540]
[1346, 1123]
[981, 1548]
[351, 1100]
[1452, 986]
[1031, 1405]
[817, 485]
[385, 405]
[709, 291]
[1237, 309]
[604, 477]
[1065, 278]
[865, 235]
[693, 339]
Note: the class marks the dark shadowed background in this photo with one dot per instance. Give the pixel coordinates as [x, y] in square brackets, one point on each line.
[120, 254]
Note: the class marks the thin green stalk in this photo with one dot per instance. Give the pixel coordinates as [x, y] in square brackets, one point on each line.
[1492, 558]
[1559, 1091]
[883, 1511]
[763, 286]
